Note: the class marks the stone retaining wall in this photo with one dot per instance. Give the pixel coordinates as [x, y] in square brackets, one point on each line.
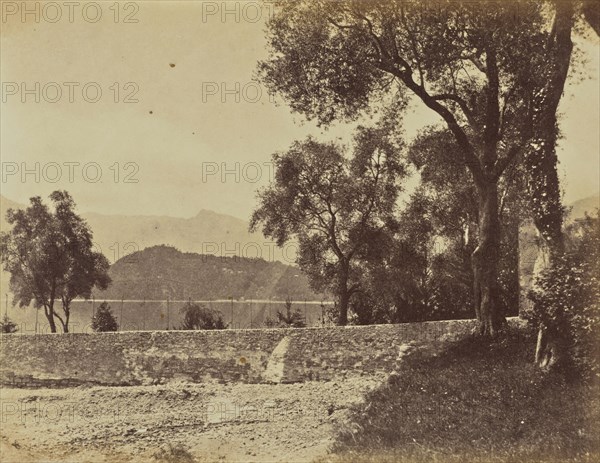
[248, 356]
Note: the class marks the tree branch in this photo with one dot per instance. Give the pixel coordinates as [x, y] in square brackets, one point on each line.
[461, 103]
[470, 158]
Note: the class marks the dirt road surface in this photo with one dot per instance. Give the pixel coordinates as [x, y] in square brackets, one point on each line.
[213, 422]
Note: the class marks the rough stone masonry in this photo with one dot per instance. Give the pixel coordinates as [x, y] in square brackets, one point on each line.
[221, 356]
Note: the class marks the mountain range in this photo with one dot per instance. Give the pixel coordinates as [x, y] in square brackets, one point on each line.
[207, 232]
[208, 256]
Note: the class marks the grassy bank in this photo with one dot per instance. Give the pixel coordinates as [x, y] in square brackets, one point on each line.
[467, 401]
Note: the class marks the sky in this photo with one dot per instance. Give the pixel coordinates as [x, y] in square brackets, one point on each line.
[151, 108]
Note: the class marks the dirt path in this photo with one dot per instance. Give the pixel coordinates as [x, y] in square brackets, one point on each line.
[214, 422]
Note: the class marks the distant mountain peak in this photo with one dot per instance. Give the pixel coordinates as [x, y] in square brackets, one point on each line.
[208, 232]
[581, 207]
[207, 213]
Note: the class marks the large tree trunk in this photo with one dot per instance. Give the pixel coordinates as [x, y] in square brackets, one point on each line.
[552, 343]
[541, 162]
[344, 302]
[485, 260]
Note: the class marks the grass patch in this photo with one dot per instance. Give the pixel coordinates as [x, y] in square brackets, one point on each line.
[474, 401]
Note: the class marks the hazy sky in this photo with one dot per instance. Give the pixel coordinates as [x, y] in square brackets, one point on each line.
[179, 135]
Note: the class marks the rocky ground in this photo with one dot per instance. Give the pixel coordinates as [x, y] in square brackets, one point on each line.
[209, 422]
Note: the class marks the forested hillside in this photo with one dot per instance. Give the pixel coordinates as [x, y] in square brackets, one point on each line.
[162, 272]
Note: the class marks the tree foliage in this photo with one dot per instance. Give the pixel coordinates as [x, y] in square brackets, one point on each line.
[290, 318]
[104, 320]
[474, 64]
[422, 269]
[566, 300]
[200, 317]
[334, 205]
[7, 325]
[50, 257]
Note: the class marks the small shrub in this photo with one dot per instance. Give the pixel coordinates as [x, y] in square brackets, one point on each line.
[104, 320]
[290, 318]
[200, 317]
[7, 325]
[177, 453]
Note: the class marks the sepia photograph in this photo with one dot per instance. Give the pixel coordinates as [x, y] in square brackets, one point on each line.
[300, 231]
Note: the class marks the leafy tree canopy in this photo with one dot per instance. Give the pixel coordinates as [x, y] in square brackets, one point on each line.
[50, 257]
[335, 205]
